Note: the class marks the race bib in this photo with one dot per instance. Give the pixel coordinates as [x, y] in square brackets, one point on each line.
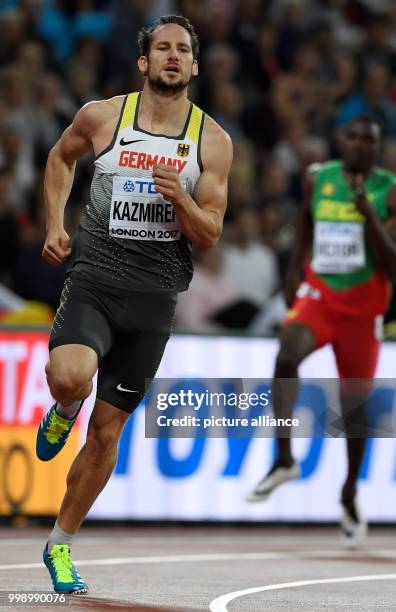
[338, 248]
[138, 212]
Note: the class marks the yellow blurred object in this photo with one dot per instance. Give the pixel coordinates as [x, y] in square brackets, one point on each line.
[29, 486]
[31, 313]
[390, 330]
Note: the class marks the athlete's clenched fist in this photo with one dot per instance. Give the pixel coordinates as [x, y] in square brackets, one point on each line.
[167, 183]
[56, 247]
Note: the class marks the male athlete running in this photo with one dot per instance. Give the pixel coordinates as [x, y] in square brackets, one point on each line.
[160, 184]
[348, 218]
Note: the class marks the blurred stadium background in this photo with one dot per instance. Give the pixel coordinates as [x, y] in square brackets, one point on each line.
[281, 77]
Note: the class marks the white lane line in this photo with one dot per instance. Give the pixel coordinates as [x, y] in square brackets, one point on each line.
[252, 556]
[159, 559]
[41, 539]
[220, 603]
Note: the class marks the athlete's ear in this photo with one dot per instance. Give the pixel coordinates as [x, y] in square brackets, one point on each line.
[194, 70]
[143, 65]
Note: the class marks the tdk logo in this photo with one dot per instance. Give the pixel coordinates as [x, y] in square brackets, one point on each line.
[129, 186]
[142, 186]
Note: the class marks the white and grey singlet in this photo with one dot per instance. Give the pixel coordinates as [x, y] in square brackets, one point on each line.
[129, 236]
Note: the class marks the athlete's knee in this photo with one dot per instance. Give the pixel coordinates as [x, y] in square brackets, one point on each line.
[296, 342]
[68, 381]
[288, 358]
[354, 414]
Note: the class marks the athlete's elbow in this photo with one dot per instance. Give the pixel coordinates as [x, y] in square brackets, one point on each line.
[387, 262]
[204, 243]
[208, 241]
[54, 159]
[390, 271]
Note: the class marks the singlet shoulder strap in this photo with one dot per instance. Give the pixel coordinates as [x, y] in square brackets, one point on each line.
[128, 115]
[127, 111]
[195, 124]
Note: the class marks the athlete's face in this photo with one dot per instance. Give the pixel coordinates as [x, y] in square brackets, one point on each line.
[361, 145]
[170, 64]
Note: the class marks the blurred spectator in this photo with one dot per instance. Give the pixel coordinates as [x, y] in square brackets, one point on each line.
[220, 65]
[276, 223]
[341, 15]
[12, 34]
[119, 58]
[217, 28]
[90, 22]
[274, 184]
[242, 175]
[248, 264]
[53, 113]
[82, 84]
[35, 279]
[321, 38]
[207, 295]
[31, 58]
[227, 109]
[345, 78]
[376, 47]
[374, 99]
[278, 75]
[298, 94]
[249, 15]
[53, 26]
[287, 151]
[17, 158]
[9, 232]
[290, 15]
[267, 68]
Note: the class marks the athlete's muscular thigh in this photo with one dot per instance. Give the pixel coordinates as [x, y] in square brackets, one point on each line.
[71, 366]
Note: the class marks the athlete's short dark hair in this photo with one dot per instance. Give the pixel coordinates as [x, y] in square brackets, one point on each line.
[146, 34]
[368, 120]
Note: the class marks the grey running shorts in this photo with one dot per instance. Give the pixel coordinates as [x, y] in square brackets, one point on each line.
[127, 329]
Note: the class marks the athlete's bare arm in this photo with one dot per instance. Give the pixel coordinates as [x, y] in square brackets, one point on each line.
[390, 224]
[201, 218]
[381, 235]
[92, 129]
[302, 241]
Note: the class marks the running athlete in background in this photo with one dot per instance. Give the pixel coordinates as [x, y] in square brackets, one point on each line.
[347, 221]
[160, 184]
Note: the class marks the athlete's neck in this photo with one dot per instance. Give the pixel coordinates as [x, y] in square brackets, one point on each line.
[161, 114]
[349, 170]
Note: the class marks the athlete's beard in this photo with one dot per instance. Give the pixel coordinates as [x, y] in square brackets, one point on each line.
[161, 87]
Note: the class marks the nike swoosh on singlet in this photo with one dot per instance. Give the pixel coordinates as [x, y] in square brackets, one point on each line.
[128, 142]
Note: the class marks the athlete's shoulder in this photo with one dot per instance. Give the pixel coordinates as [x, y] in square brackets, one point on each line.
[386, 175]
[212, 130]
[216, 145]
[319, 168]
[97, 112]
[330, 165]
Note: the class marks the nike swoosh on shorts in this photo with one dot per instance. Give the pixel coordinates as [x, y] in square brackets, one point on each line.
[121, 388]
